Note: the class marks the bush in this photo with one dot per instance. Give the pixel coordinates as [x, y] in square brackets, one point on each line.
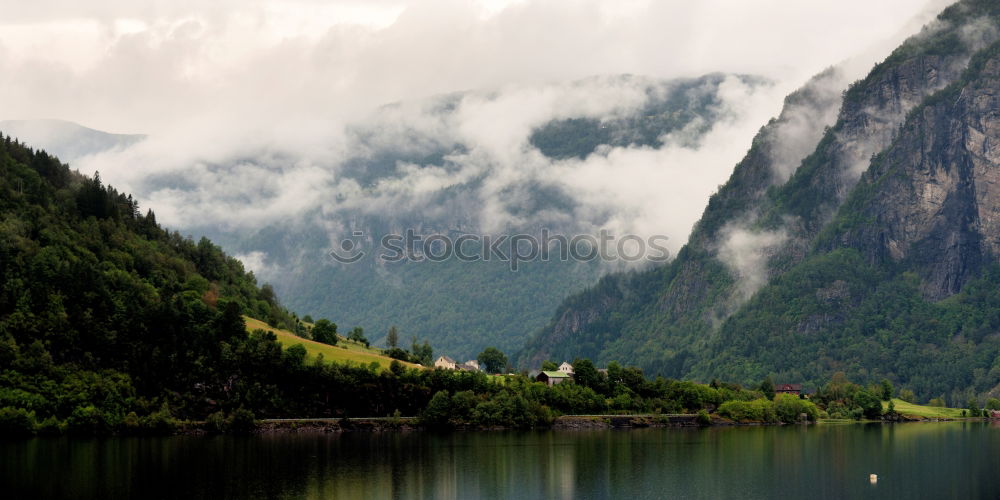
[215, 423]
[50, 427]
[159, 422]
[488, 414]
[789, 408]
[88, 420]
[758, 410]
[543, 415]
[622, 402]
[131, 422]
[438, 410]
[16, 422]
[973, 407]
[870, 404]
[463, 403]
[397, 353]
[241, 421]
[703, 418]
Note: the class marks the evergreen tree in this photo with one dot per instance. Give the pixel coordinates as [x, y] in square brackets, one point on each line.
[392, 338]
[886, 390]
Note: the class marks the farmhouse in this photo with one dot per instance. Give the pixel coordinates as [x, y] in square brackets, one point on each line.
[450, 364]
[553, 377]
[446, 363]
[793, 389]
[566, 368]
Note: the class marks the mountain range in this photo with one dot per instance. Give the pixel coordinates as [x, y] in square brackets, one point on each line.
[864, 245]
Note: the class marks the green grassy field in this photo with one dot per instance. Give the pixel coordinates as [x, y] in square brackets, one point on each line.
[344, 352]
[923, 411]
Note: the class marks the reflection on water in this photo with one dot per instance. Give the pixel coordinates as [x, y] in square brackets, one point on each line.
[933, 460]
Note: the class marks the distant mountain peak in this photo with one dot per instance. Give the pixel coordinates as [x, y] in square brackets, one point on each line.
[67, 140]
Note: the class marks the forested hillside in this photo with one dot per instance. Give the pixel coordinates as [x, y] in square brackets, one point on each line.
[862, 244]
[103, 312]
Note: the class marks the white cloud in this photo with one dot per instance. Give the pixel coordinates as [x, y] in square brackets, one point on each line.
[247, 102]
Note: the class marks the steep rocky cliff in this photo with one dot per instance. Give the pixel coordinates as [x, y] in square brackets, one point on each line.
[932, 200]
[904, 176]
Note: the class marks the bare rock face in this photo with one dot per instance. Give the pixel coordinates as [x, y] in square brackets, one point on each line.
[932, 200]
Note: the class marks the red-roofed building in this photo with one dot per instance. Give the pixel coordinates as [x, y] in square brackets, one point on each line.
[794, 389]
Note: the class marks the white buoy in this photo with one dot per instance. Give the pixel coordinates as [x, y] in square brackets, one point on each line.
[873, 478]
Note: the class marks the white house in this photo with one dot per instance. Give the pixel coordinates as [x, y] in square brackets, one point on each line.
[566, 368]
[553, 378]
[446, 363]
[472, 365]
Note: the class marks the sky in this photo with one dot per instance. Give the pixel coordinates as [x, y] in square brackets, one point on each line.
[143, 65]
[249, 100]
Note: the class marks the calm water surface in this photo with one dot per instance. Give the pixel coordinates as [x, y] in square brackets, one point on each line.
[931, 460]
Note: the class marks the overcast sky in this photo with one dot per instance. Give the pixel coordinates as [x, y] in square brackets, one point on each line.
[148, 65]
[247, 100]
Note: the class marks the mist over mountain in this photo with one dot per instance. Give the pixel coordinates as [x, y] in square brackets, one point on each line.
[67, 140]
[430, 166]
[273, 140]
[870, 255]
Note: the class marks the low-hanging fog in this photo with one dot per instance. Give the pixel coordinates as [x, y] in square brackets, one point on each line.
[252, 108]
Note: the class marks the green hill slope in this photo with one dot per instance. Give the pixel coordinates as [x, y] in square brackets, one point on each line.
[108, 322]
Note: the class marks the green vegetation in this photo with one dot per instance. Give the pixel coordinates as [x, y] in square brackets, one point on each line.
[874, 320]
[492, 360]
[358, 335]
[108, 321]
[912, 410]
[325, 331]
[392, 337]
[344, 352]
[758, 410]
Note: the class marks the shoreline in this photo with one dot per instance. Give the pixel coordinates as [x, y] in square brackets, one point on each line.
[562, 423]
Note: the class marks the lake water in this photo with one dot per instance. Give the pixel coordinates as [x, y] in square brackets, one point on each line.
[917, 460]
